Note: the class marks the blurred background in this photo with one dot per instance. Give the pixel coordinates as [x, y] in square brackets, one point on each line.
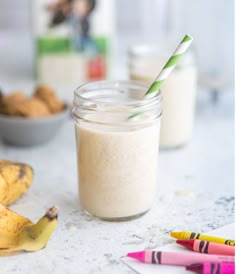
[210, 22]
[196, 160]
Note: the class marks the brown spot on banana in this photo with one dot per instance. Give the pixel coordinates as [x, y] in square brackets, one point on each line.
[22, 172]
[52, 213]
[15, 179]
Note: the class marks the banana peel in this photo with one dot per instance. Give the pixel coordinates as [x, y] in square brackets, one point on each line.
[19, 234]
[15, 179]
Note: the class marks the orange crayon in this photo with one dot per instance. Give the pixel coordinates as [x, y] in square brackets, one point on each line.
[207, 247]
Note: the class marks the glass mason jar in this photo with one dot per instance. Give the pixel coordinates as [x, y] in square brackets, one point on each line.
[117, 135]
[178, 90]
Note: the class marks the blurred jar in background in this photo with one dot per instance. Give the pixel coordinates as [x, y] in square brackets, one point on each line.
[178, 91]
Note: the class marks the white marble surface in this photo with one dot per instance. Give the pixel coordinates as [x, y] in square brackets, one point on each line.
[195, 192]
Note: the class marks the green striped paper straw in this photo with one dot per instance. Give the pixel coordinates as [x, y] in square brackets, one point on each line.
[171, 63]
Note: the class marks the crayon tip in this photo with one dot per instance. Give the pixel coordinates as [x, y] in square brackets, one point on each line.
[175, 234]
[186, 243]
[137, 255]
[195, 268]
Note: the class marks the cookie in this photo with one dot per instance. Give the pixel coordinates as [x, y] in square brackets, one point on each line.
[48, 96]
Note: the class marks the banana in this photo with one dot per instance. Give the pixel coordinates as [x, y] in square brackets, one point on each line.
[15, 179]
[19, 234]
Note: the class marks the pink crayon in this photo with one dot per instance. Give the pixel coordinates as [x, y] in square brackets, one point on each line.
[207, 247]
[212, 268]
[177, 258]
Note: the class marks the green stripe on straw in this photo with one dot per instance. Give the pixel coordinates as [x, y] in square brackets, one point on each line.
[171, 63]
[155, 86]
[187, 38]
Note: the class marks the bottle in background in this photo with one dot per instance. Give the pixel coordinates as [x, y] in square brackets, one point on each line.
[72, 40]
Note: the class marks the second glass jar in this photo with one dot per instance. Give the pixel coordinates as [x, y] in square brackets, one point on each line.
[178, 91]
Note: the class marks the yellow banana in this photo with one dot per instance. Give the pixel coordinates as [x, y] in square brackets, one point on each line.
[15, 179]
[18, 234]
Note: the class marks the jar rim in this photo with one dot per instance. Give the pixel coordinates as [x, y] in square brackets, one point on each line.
[79, 97]
[123, 100]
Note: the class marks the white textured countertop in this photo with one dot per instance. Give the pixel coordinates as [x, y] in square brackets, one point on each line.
[195, 192]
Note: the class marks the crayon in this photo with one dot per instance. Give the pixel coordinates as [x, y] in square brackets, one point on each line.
[207, 247]
[177, 258]
[212, 268]
[185, 235]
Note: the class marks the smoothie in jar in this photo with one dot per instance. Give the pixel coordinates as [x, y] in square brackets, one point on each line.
[117, 155]
[178, 91]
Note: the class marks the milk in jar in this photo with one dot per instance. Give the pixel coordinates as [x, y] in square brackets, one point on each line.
[117, 151]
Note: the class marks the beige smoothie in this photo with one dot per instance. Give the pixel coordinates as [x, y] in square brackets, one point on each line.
[117, 170]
